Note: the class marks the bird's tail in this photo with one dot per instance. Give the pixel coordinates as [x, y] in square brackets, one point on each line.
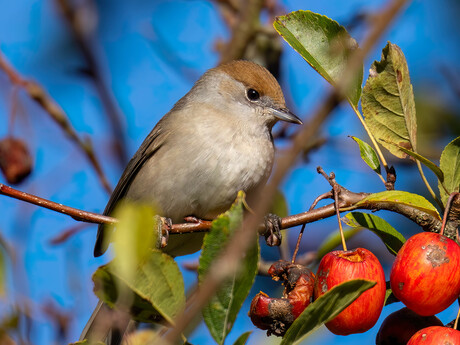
[105, 325]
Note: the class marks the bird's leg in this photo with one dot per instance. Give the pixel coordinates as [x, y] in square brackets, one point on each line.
[272, 232]
[164, 225]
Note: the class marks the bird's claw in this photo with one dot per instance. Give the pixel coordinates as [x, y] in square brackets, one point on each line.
[163, 228]
[272, 232]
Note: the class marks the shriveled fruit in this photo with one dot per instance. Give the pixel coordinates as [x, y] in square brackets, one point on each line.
[15, 160]
[339, 266]
[276, 314]
[426, 273]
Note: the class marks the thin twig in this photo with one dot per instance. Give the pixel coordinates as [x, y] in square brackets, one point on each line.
[81, 22]
[39, 95]
[243, 30]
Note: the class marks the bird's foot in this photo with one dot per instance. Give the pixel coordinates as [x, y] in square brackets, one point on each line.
[164, 225]
[272, 231]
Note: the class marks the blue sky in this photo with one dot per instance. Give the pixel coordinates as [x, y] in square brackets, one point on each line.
[151, 53]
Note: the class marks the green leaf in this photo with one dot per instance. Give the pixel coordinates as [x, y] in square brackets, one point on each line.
[450, 166]
[334, 240]
[324, 44]
[221, 312]
[242, 339]
[400, 197]
[392, 239]
[156, 287]
[388, 102]
[325, 308]
[134, 236]
[279, 205]
[368, 155]
[142, 337]
[425, 161]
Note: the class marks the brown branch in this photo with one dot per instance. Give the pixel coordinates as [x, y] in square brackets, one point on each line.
[39, 95]
[243, 30]
[81, 22]
[229, 260]
[347, 201]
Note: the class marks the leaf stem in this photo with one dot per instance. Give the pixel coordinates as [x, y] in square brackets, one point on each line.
[433, 194]
[374, 142]
[456, 319]
[337, 212]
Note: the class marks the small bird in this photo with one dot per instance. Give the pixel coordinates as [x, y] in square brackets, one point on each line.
[214, 142]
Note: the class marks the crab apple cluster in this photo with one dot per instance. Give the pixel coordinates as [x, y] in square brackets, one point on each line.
[301, 287]
[425, 276]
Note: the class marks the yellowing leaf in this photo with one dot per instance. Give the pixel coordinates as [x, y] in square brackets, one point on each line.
[388, 102]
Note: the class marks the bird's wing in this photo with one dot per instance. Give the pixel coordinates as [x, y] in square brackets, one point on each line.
[151, 144]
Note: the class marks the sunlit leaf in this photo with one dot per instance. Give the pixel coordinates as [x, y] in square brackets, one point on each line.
[368, 155]
[220, 314]
[325, 308]
[156, 287]
[134, 236]
[400, 197]
[388, 102]
[392, 239]
[324, 44]
[450, 166]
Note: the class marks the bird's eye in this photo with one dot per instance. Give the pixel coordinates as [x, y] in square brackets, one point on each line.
[253, 95]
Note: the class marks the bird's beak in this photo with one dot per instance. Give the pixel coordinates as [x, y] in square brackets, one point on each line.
[285, 115]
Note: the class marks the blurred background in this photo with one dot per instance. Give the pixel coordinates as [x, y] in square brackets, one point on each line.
[116, 67]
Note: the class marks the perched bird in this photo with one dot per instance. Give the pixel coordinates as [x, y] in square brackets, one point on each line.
[214, 142]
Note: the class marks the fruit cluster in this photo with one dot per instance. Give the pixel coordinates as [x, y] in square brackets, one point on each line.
[425, 277]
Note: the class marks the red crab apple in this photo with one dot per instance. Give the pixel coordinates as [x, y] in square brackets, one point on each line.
[401, 325]
[339, 266]
[426, 273]
[435, 335]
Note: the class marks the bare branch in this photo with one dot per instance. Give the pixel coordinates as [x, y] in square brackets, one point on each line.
[82, 20]
[39, 95]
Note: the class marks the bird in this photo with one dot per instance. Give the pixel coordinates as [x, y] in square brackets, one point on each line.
[214, 142]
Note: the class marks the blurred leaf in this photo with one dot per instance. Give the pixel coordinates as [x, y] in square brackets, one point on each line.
[279, 205]
[156, 285]
[242, 339]
[388, 102]
[401, 197]
[392, 239]
[221, 312]
[324, 44]
[368, 155]
[134, 237]
[450, 166]
[142, 337]
[325, 308]
[334, 240]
